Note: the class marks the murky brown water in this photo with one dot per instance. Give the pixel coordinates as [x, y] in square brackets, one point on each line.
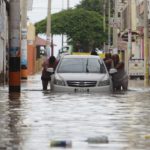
[29, 121]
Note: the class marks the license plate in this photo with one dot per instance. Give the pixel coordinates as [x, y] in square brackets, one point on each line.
[81, 90]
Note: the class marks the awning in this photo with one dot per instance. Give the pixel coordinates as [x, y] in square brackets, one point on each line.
[41, 42]
[134, 35]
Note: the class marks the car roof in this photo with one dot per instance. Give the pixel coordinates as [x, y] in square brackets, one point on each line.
[80, 56]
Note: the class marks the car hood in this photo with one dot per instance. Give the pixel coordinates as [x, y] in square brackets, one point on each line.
[81, 76]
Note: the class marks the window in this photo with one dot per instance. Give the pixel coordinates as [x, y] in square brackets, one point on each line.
[81, 65]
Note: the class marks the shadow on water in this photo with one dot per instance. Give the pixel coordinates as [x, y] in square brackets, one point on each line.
[14, 119]
[10, 130]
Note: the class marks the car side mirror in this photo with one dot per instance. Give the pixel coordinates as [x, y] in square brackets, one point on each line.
[51, 70]
[112, 70]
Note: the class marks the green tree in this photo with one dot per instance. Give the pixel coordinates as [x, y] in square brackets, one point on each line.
[96, 5]
[41, 27]
[83, 28]
[92, 5]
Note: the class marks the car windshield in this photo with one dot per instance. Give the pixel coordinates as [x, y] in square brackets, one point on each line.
[81, 65]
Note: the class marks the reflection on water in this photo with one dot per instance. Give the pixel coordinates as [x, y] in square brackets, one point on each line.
[32, 119]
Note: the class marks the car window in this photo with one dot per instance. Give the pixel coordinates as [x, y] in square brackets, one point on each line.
[81, 65]
[95, 66]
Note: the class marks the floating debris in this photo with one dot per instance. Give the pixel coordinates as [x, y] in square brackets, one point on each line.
[98, 140]
[147, 136]
[61, 143]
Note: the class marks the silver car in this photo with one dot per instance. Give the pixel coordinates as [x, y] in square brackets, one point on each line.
[81, 73]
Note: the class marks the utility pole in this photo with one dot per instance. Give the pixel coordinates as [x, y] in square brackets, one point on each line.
[68, 4]
[62, 36]
[14, 51]
[104, 20]
[48, 31]
[104, 14]
[146, 53]
[115, 36]
[129, 29]
[128, 53]
[109, 30]
[24, 39]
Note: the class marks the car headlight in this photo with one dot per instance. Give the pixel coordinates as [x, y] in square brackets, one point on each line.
[104, 83]
[59, 82]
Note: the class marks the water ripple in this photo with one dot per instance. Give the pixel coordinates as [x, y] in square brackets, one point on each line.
[31, 119]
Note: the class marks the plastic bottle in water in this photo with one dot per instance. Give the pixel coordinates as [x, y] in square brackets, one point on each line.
[61, 143]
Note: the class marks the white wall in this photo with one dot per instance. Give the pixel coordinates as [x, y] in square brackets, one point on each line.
[3, 36]
[1, 54]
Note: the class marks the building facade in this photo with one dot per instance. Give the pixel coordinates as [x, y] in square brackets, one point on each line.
[3, 40]
[140, 24]
[132, 18]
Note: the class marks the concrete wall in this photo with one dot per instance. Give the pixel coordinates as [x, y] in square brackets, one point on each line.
[34, 63]
[3, 40]
[31, 59]
[31, 52]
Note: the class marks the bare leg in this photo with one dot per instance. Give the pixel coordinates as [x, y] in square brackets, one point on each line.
[44, 84]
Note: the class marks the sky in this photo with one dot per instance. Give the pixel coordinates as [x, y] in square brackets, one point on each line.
[39, 9]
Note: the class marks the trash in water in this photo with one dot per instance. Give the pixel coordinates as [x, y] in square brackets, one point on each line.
[98, 140]
[147, 136]
[61, 143]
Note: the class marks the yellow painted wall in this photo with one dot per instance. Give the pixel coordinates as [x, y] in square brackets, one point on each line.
[121, 54]
[31, 49]
[31, 32]
[86, 53]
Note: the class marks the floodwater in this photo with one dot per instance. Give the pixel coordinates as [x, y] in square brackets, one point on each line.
[32, 119]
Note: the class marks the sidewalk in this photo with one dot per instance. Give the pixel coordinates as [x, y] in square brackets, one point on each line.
[137, 83]
[32, 83]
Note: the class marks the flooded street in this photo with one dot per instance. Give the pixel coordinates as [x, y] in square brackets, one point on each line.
[31, 120]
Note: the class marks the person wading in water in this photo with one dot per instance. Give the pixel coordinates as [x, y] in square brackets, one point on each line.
[46, 76]
[120, 78]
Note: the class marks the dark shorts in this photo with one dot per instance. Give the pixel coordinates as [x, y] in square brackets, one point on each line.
[46, 78]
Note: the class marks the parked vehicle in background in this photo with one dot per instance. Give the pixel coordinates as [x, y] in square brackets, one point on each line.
[81, 73]
[136, 68]
[65, 50]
